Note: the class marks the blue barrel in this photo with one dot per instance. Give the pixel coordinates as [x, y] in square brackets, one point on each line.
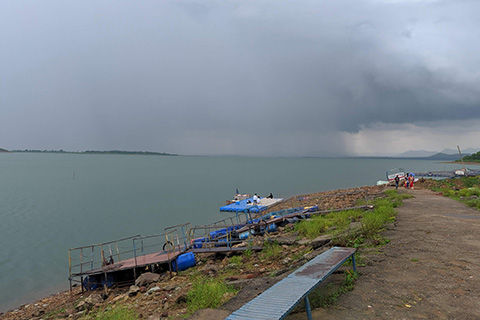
[198, 243]
[90, 283]
[183, 262]
[272, 227]
[244, 235]
[109, 282]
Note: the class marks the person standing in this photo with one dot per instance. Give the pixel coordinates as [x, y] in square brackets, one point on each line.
[397, 181]
[256, 200]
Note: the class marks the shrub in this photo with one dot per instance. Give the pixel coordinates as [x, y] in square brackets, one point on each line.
[247, 254]
[468, 192]
[447, 192]
[236, 260]
[470, 181]
[471, 203]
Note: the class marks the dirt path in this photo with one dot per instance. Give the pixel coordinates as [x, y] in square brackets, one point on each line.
[429, 270]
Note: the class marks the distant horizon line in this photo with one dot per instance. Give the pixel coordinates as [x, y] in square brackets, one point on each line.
[126, 152]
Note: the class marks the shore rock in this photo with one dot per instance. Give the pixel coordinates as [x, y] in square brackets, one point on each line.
[133, 291]
[210, 268]
[153, 290]
[146, 278]
[94, 299]
[317, 242]
[287, 240]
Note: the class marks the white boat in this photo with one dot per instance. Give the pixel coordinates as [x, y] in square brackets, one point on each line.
[392, 173]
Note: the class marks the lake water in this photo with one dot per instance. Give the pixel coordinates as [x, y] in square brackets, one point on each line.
[52, 202]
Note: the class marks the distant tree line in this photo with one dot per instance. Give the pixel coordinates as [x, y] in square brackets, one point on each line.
[474, 157]
[40, 151]
[149, 153]
[129, 152]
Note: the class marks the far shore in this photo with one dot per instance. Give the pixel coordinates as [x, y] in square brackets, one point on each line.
[465, 162]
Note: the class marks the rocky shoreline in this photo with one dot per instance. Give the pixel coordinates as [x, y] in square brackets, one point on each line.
[161, 296]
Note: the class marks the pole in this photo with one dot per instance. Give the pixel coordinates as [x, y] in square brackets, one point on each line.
[463, 164]
[70, 270]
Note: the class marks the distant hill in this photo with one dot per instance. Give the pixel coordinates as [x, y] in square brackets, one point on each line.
[464, 152]
[417, 154]
[3, 150]
[449, 151]
[444, 156]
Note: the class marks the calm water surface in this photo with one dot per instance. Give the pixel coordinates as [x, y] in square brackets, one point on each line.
[52, 202]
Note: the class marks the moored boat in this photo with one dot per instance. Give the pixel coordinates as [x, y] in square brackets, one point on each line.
[392, 173]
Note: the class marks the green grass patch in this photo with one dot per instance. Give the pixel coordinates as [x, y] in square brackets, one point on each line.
[326, 296]
[474, 203]
[396, 197]
[316, 226]
[109, 313]
[470, 181]
[271, 251]
[468, 192]
[384, 212]
[460, 189]
[247, 254]
[323, 224]
[207, 293]
[236, 260]
[336, 223]
[55, 314]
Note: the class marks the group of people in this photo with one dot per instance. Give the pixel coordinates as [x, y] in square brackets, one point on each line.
[256, 198]
[409, 180]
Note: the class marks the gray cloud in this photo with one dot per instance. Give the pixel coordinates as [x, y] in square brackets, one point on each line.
[235, 77]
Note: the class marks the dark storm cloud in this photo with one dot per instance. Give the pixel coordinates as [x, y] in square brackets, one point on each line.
[241, 77]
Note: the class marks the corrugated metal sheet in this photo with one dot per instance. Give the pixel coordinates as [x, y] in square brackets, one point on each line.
[278, 301]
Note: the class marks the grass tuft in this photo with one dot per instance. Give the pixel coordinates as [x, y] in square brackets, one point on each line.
[272, 251]
[118, 313]
[207, 293]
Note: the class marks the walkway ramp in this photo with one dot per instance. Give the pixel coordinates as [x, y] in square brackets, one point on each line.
[278, 301]
[247, 204]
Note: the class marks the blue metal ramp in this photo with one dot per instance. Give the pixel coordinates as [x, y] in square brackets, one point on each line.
[242, 205]
[278, 301]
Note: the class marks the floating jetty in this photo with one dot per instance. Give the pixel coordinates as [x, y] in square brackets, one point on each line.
[248, 204]
[120, 262]
[445, 173]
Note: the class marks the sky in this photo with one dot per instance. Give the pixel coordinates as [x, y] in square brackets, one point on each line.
[250, 77]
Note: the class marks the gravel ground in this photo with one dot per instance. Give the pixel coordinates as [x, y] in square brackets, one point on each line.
[429, 270]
